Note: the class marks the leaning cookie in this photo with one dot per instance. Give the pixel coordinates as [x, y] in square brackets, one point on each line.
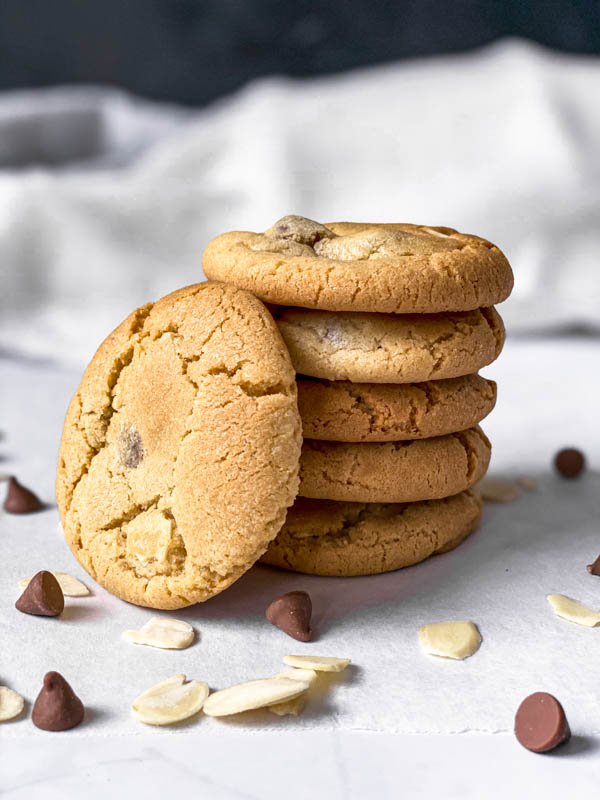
[394, 472]
[390, 348]
[180, 449]
[341, 411]
[324, 537]
[388, 267]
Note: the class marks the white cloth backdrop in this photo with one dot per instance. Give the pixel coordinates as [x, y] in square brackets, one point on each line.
[503, 143]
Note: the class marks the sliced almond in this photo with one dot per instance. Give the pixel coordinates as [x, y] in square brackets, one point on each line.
[252, 695]
[170, 701]
[496, 490]
[456, 639]
[528, 483]
[71, 586]
[318, 663]
[292, 707]
[573, 611]
[305, 675]
[433, 232]
[11, 704]
[296, 705]
[164, 632]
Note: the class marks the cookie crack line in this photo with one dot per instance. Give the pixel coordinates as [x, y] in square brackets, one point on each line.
[249, 389]
[126, 358]
[470, 451]
[108, 411]
[491, 317]
[359, 402]
[128, 516]
[350, 521]
[135, 511]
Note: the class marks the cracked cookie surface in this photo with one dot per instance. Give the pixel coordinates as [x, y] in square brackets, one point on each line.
[341, 411]
[180, 449]
[394, 472]
[325, 537]
[344, 266]
[390, 348]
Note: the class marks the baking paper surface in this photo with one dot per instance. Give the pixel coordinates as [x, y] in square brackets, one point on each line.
[499, 578]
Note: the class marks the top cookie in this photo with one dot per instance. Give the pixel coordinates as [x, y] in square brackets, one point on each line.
[346, 266]
[180, 450]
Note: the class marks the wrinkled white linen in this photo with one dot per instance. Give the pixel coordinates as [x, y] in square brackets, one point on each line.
[502, 142]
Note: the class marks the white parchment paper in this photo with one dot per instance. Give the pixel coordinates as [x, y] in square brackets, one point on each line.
[499, 578]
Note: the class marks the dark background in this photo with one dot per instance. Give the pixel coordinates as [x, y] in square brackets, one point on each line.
[192, 51]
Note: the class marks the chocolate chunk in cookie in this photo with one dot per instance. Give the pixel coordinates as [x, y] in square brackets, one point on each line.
[300, 229]
[132, 447]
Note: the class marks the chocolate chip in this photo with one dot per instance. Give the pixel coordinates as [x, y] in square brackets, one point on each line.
[291, 612]
[43, 596]
[569, 462]
[594, 569]
[57, 707]
[132, 447]
[19, 499]
[540, 723]
[299, 229]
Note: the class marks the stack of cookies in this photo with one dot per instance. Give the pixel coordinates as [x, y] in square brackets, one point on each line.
[348, 415]
[387, 326]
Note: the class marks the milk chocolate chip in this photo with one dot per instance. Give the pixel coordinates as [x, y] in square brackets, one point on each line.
[291, 612]
[300, 229]
[43, 596]
[19, 499]
[132, 447]
[594, 569]
[540, 723]
[569, 462]
[57, 707]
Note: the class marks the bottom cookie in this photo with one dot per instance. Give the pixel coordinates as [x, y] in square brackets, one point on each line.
[326, 537]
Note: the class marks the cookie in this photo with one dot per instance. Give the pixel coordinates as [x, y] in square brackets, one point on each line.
[394, 472]
[324, 537]
[179, 455]
[387, 348]
[341, 411]
[389, 267]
